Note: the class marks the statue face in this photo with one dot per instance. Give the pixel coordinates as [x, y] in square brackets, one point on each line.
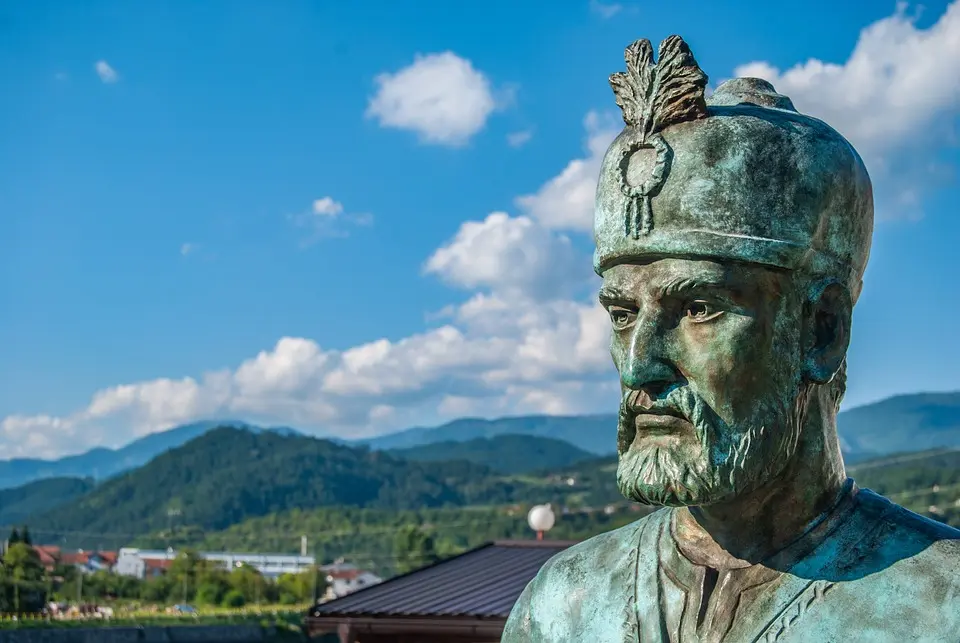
[710, 363]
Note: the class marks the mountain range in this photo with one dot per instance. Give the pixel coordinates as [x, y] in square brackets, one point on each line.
[506, 453]
[898, 424]
[229, 474]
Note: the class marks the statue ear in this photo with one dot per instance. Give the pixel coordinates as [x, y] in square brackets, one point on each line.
[826, 331]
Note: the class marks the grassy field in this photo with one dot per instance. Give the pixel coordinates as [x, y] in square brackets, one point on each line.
[282, 617]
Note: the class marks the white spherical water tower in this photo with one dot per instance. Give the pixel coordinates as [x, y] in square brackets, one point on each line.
[541, 519]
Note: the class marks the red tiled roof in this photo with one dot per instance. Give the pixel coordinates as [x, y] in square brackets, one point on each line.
[154, 563]
[74, 558]
[83, 557]
[48, 554]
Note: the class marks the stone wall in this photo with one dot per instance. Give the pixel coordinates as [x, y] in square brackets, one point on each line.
[177, 634]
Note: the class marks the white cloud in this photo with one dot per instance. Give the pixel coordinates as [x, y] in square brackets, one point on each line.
[363, 390]
[605, 10]
[898, 91]
[441, 97]
[895, 85]
[106, 73]
[566, 201]
[39, 436]
[188, 248]
[507, 253]
[327, 207]
[327, 218]
[519, 139]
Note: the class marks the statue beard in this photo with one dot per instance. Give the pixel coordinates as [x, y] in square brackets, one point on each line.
[719, 462]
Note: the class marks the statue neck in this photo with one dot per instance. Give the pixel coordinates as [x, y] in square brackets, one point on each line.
[756, 525]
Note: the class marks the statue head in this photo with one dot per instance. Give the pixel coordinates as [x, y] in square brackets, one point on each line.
[732, 234]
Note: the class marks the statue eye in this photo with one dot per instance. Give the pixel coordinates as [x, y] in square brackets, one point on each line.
[620, 317]
[700, 311]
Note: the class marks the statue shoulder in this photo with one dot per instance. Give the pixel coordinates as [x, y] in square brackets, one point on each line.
[601, 552]
[906, 530]
[585, 577]
[901, 562]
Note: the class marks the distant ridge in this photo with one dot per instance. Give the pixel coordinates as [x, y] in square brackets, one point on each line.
[899, 424]
[595, 434]
[507, 453]
[102, 463]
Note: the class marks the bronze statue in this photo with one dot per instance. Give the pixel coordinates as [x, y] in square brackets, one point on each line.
[732, 235]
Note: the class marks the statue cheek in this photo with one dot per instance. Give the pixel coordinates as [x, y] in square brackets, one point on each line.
[720, 360]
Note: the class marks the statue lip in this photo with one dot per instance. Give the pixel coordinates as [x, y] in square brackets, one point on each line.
[659, 422]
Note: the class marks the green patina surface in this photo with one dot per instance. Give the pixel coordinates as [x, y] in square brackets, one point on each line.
[732, 234]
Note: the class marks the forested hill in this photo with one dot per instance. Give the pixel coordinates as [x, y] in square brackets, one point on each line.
[503, 453]
[586, 494]
[228, 475]
[17, 504]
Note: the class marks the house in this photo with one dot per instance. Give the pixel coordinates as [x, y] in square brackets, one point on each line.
[155, 567]
[343, 579]
[464, 599]
[49, 556]
[90, 562]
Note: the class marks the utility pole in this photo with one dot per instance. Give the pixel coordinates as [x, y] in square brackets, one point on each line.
[170, 515]
[17, 573]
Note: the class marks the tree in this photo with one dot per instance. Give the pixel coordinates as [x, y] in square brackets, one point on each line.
[23, 558]
[25, 536]
[157, 589]
[22, 588]
[14, 537]
[299, 588]
[234, 598]
[247, 580]
[210, 592]
[414, 548]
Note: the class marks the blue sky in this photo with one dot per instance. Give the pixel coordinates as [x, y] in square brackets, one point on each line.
[315, 213]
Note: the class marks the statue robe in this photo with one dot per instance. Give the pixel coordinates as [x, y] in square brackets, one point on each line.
[868, 570]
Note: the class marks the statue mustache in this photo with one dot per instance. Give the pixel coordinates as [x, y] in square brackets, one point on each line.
[681, 401]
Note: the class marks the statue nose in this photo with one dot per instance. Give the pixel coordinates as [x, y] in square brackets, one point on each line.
[645, 366]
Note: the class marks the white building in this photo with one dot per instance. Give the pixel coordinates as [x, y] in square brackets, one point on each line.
[137, 562]
[343, 579]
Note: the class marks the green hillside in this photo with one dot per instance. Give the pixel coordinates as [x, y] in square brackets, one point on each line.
[20, 502]
[900, 424]
[927, 483]
[228, 475]
[586, 491]
[510, 453]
